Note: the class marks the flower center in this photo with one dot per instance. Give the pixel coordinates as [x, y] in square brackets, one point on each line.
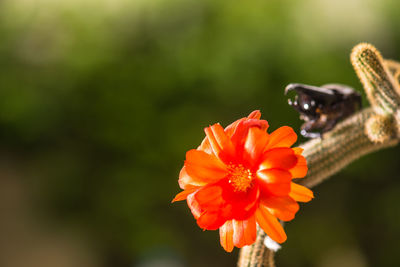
[240, 177]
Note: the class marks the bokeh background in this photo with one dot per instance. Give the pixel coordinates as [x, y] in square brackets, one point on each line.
[100, 100]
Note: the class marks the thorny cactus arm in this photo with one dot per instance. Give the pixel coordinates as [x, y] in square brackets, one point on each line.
[371, 129]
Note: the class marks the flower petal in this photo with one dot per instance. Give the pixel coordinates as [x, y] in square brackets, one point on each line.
[270, 225]
[185, 181]
[283, 208]
[205, 146]
[300, 193]
[210, 196]
[282, 158]
[256, 114]
[211, 220]
[282, 137]
[204, 167]
[239, 135]
[226, 236]
[212, 206]
[298, 150]
[274, 181]
[244, 232]
[243, 204]
[254, 145]
[300, 169]
[183, 195]
[220, 142]
[231, 128]
[193, 206]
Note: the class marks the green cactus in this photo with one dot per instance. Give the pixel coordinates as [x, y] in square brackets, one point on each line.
[371, 129]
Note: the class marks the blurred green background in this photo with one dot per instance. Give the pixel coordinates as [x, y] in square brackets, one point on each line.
[100, 100]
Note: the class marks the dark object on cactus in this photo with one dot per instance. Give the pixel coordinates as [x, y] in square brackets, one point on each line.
[322, 107]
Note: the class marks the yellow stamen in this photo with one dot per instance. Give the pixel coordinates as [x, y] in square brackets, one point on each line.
[240, 177]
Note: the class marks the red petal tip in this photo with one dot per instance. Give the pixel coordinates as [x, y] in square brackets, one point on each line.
[256, 114]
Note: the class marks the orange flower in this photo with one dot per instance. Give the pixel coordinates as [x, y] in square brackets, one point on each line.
[240, 177]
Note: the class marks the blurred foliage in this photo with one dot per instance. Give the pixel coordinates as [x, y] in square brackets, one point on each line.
[100, 100]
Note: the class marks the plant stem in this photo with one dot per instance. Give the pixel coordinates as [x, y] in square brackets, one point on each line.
[346, 143]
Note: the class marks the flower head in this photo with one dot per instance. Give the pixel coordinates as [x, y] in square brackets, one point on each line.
[241, 176]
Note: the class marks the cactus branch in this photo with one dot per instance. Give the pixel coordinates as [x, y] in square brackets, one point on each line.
[371, 129]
